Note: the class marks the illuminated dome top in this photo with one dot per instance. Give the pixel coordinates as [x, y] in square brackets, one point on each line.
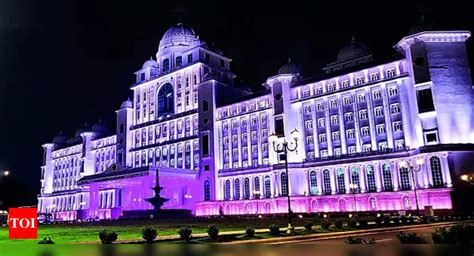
[78, 132]
[60, 138]
[150, 63]
[126, 104]
[353, 50]
[289, 68]
[179, 35]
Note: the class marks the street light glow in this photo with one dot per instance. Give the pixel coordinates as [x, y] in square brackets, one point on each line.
[6, 173]
[464, 177]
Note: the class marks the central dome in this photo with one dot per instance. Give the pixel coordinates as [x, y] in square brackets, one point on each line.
[179, 35]
[353, 50]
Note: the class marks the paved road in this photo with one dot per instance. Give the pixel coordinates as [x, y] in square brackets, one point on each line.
[389, 237]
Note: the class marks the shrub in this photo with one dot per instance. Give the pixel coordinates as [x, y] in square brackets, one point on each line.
[274, 230]
[325, 224]
[107, 237]
[410, 238]
[46, 240]
[378, 220]
[213, 231]
[396, 220]
[352, 223]
[458, 234]
[426, 219]
[411, 220]
[149, 234]
[363, 223]
[338, 224]
[185, 233]
[250, 232]
[352, 240]
[386, 220]
[308, 225]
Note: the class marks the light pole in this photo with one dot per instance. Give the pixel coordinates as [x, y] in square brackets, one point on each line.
[283, 147]
[412, 168]
[256, 195]
[353, 188]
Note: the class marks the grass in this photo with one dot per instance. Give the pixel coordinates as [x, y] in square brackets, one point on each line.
[131, 229]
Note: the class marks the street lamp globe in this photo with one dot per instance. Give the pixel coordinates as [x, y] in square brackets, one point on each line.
[273, 137]
[464, 177]
[6, 173]
[403, 164]
[295, 134]
[419, 161]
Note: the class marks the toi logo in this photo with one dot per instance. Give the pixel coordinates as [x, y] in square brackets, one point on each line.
[22, 223]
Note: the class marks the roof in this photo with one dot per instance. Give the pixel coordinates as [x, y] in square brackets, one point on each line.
[244, 98]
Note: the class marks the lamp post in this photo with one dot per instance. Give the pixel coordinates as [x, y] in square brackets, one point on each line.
[283, 147]
[353, 187]
[256, 194]
[412, 168]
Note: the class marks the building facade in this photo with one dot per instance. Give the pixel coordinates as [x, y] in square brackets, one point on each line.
[373, 135]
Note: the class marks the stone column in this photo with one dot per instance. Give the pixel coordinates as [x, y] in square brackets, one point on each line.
[377, 173]
[333, 180]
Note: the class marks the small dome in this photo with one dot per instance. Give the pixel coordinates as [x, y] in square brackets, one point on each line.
[179, 35]
[78, 132]
[60, 139]
[150, 63]
[100, 128]
[353, 50]
[126, 104]
[289, 68]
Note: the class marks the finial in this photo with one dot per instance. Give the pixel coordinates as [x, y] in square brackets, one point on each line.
[85, 124]
[151, 57]
[100, 120]
[422, 18]
[353, 38]
[289, 60]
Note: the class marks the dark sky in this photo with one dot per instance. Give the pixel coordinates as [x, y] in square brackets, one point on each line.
[63, 63]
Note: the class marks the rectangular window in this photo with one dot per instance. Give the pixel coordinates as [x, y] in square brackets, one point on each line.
[390, 72]
[378, 111]
[320, 106]
[366, 148]
[222, 63]
[392, 91]
[336, 136]
[322, 138]
[306, 93]
[361, 97]
[351, 150]
[309, 140]
[324, 153]
[333, 104]
[337, 152]
[347, 100]
[381, 129]
[335, 120]
[363, 114]
[431, 137]
[207, 57]
[121, 128]
[279, 126]
[399, 144]
[205, 145]
[179, 61]
[383, 146]
[374, 77]
[190, 58]
[205, 105]
[142, 77]
[345, 84]
[425, 100]
[318, 90]
[350, 133]
[376, 95]
[359, 80]
[395, 108]
[397, 126]
[331, 87]
[321, 122]
[364, 131]
[348, 117]
[308, 124]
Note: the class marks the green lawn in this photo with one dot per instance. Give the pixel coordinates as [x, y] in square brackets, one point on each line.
[131, 229]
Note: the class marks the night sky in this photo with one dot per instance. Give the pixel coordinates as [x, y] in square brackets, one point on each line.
[64, 63]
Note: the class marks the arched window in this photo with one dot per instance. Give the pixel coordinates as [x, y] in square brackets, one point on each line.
[435, 163]
[268, 191]
[341, 184]
[313, 183]
[246, 188]
[227, 190]
[283, 182]
[166, 65]
[355, 178]
[237, 189]
[370, 174]
[406, 202]
[387, 177]
[207, 190]
[326, 182]
[165, 100]
[405, 178]
[256, 184]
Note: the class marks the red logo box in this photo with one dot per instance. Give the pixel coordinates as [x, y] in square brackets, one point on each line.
[22, 223]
